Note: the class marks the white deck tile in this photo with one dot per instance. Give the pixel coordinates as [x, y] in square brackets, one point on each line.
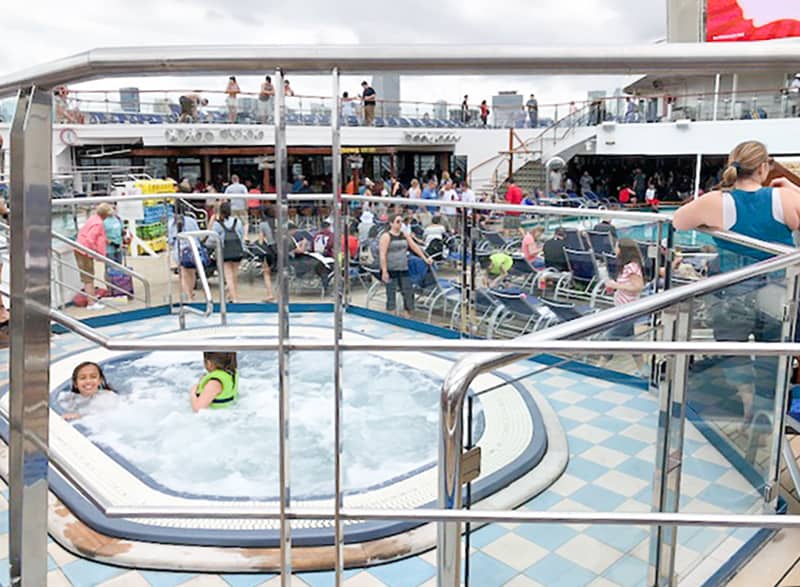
[577, 550]
[515, 551]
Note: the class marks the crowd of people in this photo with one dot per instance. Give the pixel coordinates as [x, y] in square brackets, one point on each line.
[403, 236]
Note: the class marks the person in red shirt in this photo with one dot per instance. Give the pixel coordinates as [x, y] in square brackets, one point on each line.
[513, 196]
[626, 195]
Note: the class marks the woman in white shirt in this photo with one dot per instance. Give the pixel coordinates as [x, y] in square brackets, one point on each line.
[414, 191]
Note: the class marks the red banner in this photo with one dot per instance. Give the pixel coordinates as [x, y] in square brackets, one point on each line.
[752, 20]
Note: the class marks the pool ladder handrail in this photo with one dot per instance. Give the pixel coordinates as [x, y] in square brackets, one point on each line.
[191, 237]
[108, 262]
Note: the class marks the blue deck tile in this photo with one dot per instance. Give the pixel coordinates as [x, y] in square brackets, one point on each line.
[166, 578]
[325, 578]
[704, 469]
[557, 405]
[543, 502]
[555, 570]
[727, 498]
[628, 572]
[645, 495]
[598, 498]
[610, 424]
[569, 424]
[246, 580]
[644, 404]
[638, 468]
[692, 446]
[623, 538]
[704, 540]
[487, 535]
[578, 445]
[410, 572]
[83, 573]
[487, 571]
[597, 405]
[624, 444]
[549, 536]
[584, 469]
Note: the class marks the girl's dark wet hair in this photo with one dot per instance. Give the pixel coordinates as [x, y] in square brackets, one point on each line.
[76, 370]
[222, 361]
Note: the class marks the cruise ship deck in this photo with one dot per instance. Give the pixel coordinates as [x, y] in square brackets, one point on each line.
[363, 441]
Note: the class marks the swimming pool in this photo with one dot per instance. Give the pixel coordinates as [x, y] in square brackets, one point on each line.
[389, 461]
[682, 238]
[391, 428]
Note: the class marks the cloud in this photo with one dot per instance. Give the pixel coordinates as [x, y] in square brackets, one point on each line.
[45, 30]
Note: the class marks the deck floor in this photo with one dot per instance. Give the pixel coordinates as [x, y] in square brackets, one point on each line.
[610, 423]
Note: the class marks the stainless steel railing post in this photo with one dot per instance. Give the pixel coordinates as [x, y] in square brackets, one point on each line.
[283, 238]
[31, 157]
[782, 382]
[669, 445]
[340, 269]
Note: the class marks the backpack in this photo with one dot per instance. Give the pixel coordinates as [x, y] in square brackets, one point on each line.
[232, 249]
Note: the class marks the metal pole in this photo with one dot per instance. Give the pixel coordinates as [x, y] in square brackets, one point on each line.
[697, 176]
[716, 96]
[281, 173]
[734, 87]
[31, 161]
[669, 446]
[465, 284]
[782, 383]
[338, 301]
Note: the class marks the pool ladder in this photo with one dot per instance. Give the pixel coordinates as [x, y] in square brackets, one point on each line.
[190, 239]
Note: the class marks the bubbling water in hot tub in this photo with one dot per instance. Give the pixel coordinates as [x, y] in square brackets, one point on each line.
[390, 423]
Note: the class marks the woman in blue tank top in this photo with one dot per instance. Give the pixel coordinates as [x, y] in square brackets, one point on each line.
[741, 204]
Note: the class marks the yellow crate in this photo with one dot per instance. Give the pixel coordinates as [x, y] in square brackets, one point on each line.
[156, 186]
[157, 245]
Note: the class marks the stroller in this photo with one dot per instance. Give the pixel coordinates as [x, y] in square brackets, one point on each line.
[255, 255]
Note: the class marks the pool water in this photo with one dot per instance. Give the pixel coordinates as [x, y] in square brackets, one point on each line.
[649, 233]
[390, 425]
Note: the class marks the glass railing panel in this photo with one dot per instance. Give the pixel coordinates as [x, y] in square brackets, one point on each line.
[730, 403]
[600, 426]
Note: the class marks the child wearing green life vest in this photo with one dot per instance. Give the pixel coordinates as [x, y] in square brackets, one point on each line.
[219, 386]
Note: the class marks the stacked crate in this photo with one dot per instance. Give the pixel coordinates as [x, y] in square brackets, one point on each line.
[152, 227]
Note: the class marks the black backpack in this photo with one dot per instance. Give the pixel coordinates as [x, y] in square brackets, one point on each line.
[231, 243]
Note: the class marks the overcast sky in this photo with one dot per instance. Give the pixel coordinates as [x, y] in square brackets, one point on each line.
[37, 31]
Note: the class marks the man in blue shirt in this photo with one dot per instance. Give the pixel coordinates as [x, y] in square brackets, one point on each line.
[431, 191]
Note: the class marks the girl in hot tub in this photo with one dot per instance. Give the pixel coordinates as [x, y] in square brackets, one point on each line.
[219, 387]
[88, 381]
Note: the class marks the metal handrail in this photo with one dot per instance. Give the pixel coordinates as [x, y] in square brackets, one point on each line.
[199, 212]
[108, 262]
[190, 236]
[32, 128]
[201, 273]
[684, 58]
[103, 259]
[271, 197]
[461, 375]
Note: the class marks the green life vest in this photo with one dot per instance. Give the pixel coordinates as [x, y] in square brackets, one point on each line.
[230, 388]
